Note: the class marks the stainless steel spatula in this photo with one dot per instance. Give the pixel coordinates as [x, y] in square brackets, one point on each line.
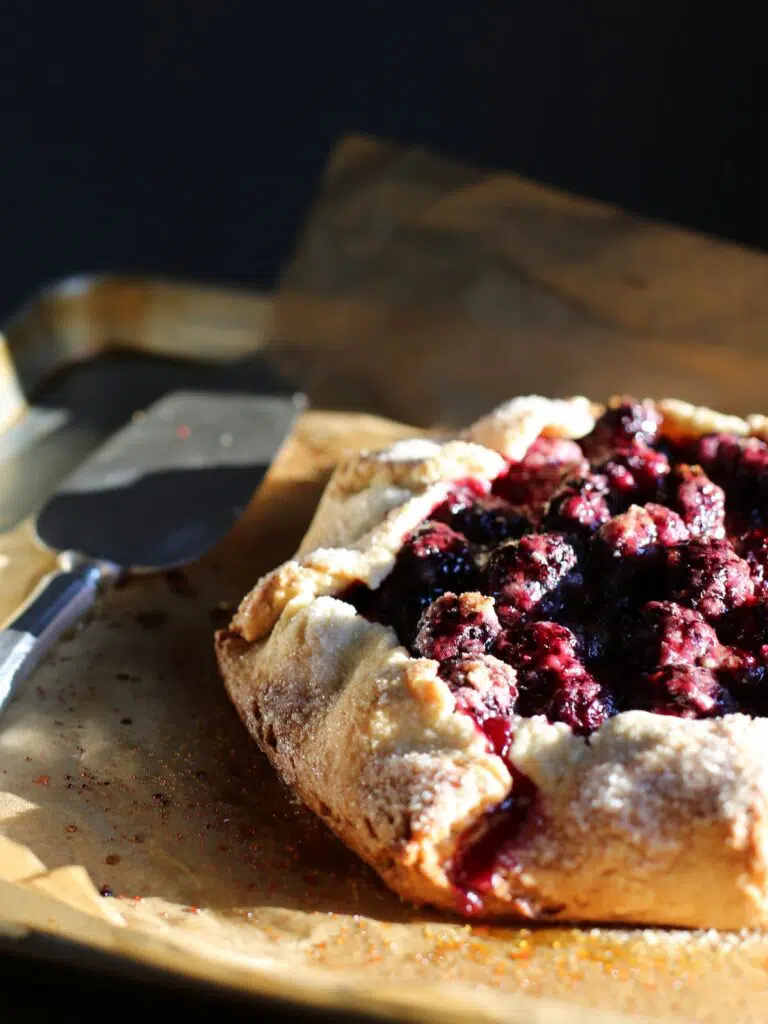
[158, 494]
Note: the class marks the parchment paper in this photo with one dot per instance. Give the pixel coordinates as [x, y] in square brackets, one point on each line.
[123, 767]
[125, 759]
[427, 291]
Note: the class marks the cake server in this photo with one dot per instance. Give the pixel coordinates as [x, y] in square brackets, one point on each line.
[157, 495]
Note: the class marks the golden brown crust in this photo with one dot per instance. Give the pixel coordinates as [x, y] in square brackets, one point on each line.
[652, 820]
[511, 428]
[681, 419]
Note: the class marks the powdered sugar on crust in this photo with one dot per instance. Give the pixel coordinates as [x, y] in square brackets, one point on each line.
[712, 768]
[411, 449]
[670, 803]
[367, 487]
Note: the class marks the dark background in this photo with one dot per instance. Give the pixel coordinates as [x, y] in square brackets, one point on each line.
[186, 138]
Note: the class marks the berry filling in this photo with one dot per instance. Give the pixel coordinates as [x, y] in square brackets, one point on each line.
[485, 689]
[531, 576]
[700, 502]
[454, 626]
[740, 466]
[753, 548]
[625, 571]
[709, 576]
[590, 567]
[483, 519]
[434, 559]
[580, 505]
[635, 475]
[529, 484]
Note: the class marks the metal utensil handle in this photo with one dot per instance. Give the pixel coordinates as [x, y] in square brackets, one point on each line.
[58, 604]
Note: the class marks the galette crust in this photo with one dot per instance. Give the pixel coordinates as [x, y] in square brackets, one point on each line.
[652, 820]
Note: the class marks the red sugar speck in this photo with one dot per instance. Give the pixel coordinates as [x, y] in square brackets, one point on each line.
[71, 828]
[42, 780]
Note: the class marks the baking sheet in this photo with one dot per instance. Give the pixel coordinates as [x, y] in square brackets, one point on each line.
[123, 765]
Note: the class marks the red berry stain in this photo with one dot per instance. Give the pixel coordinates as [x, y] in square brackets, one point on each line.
[492, 844]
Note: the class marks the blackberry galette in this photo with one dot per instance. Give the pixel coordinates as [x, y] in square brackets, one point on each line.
[524, 672]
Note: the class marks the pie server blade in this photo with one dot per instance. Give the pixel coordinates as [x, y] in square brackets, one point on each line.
[158, 494]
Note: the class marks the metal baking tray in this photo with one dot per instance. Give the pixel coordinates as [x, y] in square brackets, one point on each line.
[85, 353]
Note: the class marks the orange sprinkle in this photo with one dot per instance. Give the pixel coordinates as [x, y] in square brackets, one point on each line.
[42, 780]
